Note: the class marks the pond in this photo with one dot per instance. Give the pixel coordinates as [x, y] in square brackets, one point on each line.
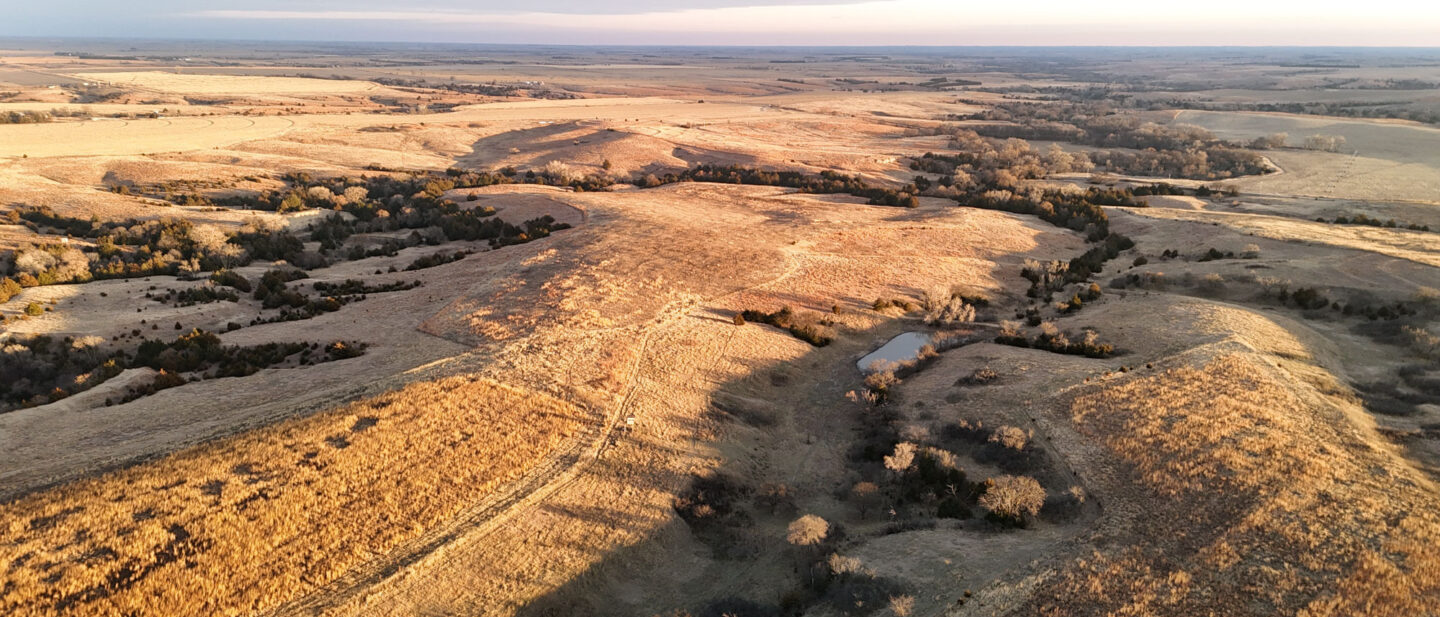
[898, 349]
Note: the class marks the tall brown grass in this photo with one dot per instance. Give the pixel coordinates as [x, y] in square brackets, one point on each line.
[1249, 493]
[241, 525]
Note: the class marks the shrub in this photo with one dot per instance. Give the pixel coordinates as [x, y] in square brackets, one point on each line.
[1214, 254]
[805, 328]
[34, 309]
[881, 304]
[775, 498]
[952, 507]
[979, 377]
[1010, 498]
[902, 458]
[1424, 343]
[1052, 340]
[861, 593]
[228, 278]
[1211, 283]
[902, 605]
[712, 509]
[1010, 437]
[8, 289]
[945, 307]
[437, 259]
[340, 350]
[808, 530]
[840, 564]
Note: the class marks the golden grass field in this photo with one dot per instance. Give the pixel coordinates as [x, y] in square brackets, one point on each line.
[243, 524]
[1250, 472]
[523, 426]
[226, 84]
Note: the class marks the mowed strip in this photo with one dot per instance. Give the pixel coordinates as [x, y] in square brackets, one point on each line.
[114, 137]
[247, 523]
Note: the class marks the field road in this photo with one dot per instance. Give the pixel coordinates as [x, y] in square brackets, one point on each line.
[481, 518]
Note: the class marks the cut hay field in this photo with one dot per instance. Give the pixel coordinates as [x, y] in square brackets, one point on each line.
[116, 137]
[246, 523]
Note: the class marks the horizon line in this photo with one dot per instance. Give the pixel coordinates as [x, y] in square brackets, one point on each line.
[707, 46]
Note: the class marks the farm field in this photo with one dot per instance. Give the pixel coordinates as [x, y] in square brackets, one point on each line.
[448, 330]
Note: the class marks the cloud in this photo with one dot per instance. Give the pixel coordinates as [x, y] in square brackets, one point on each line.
[568, 7]
[746, 22]
[896, 17]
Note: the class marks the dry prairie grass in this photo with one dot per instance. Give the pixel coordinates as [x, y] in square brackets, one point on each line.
[245, 524]
[1260, 498]
[248, 85]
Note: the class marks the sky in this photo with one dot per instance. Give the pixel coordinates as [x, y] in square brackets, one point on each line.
[744, 22]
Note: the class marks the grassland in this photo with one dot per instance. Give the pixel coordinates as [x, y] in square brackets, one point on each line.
[580, 425]
[1252, 472]
[246, 523]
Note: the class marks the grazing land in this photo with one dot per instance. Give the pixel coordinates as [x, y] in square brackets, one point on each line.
[439, 330]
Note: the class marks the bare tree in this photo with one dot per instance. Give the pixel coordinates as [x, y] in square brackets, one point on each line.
[807, 530]
[1269, 142]
[902, 458]
[1326, 143]
[943, 306]
[866, 496]
[356, 194]
[1010, 437]
[34, 261]
[1013, 496]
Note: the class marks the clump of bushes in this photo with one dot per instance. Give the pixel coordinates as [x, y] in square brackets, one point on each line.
[228, 278]
[25, 117]
[202, 352]
[37, 369]
[808, 328]
[1077, 301]
[714, 509]
[272, 293]
[1142, 280]
[825, 182]
[40, 369]
[195, 295]
[979, 377]
[947, 307]
[1051, 339]
[354, 287]
[882, 304]
[1362, 219]
[1214, 254]
[436, 259]
[9, 289]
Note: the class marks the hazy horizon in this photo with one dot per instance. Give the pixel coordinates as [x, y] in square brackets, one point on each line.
[1047, 23]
